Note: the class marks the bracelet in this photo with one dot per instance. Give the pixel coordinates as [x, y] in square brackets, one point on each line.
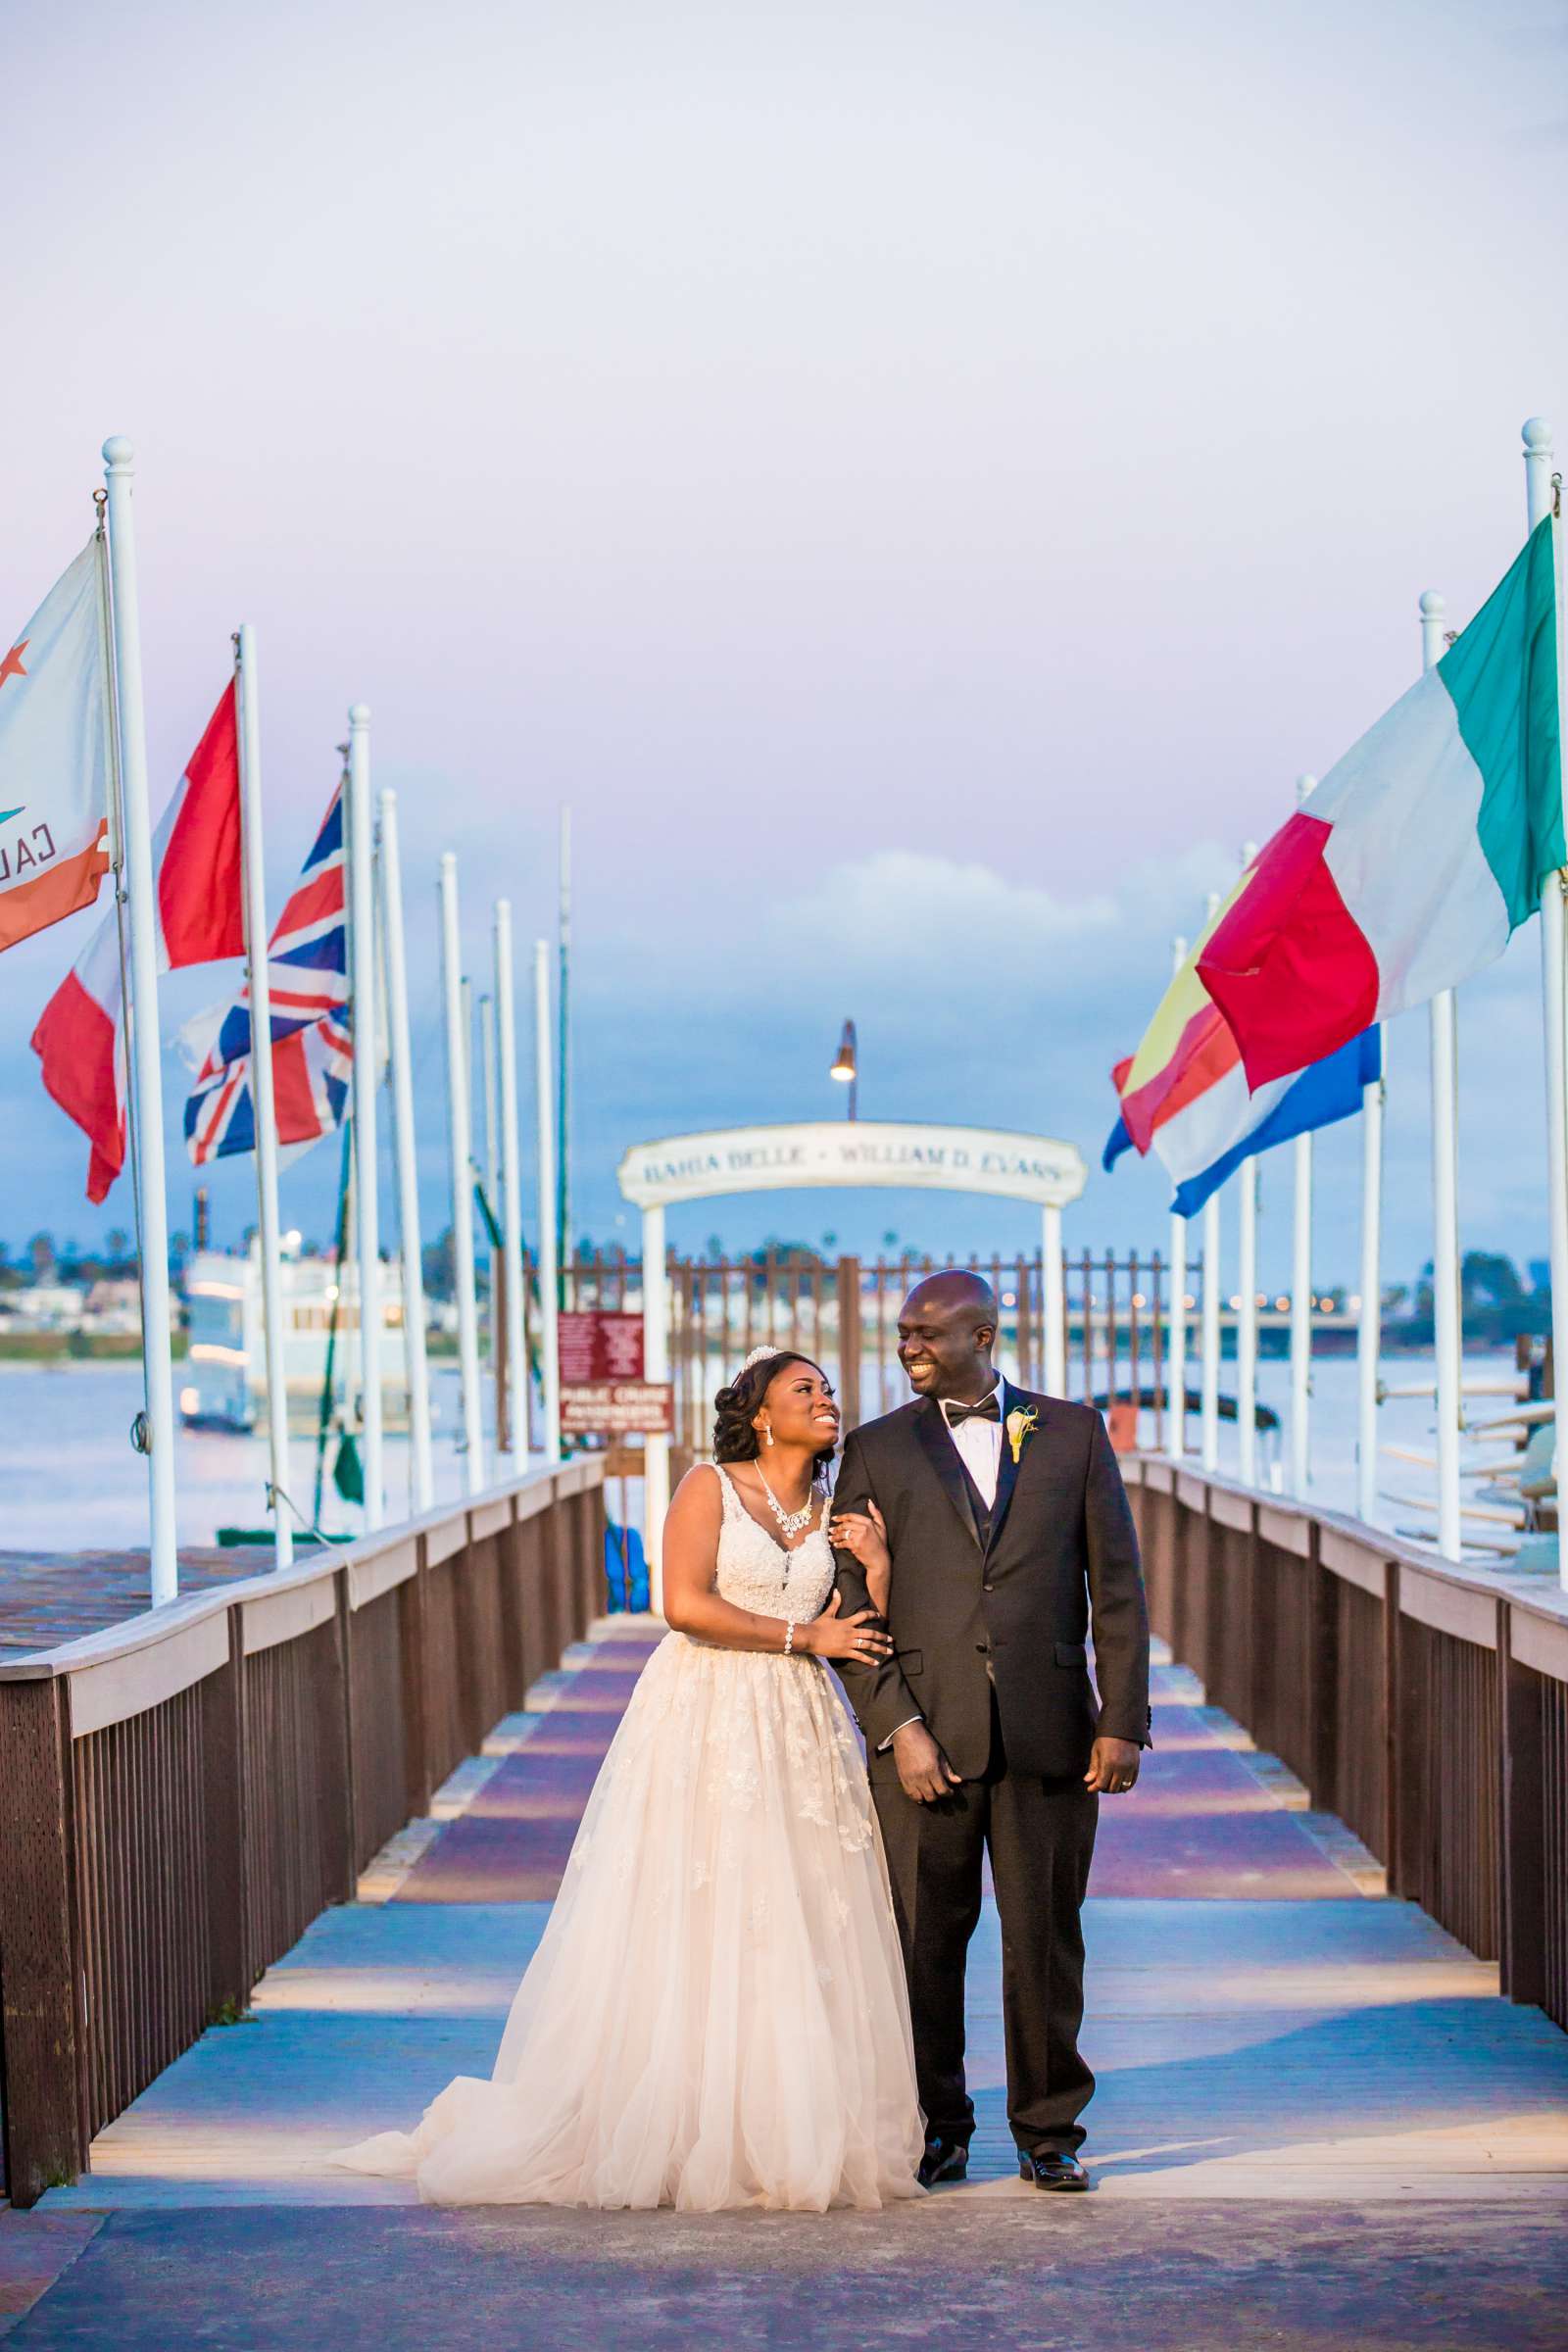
[789, 1637]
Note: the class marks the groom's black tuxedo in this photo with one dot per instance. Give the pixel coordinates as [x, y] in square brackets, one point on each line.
[990, 1613]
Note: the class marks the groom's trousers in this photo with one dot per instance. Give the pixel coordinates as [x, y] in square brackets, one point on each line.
[1041, 1837]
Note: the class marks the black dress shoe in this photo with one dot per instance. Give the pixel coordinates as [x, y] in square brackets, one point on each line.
[944, 2160]
[1051, 2168]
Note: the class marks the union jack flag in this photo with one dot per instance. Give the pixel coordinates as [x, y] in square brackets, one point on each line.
[313, 1038]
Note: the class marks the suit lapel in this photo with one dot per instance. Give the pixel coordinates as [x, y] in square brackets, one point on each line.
[1007, 1467]
[942, 1454]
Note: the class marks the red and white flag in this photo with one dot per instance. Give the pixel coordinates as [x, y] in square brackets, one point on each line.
[54, 755]
[196, 874]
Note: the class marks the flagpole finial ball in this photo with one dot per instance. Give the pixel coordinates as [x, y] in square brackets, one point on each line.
[1434, 603]
[118, 453]
[360, 715]
[1536, 433]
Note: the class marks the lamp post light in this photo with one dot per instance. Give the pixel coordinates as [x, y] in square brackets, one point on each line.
[844, 1067]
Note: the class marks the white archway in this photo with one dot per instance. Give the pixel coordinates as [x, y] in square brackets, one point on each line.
[860, 1152]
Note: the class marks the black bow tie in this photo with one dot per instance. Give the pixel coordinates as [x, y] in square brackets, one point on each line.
[988, 1409]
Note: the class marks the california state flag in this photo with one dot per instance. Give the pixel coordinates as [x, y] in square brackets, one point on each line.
[54, 755]
[196, 876]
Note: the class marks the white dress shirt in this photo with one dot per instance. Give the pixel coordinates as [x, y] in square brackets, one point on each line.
[978, 1446]
[978, 1443]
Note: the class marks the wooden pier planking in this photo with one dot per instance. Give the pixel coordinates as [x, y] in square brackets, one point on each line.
[47, 1597]
[1261, 2025]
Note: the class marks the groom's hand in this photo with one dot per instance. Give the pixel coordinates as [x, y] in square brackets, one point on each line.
[1112, 1765]
[925, 1772]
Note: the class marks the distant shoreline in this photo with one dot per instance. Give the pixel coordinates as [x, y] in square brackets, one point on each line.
[25, 1350]
[63, 1350]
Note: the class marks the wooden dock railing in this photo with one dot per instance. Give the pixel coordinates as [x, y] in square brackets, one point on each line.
[1425, 1705]
[182, 1795]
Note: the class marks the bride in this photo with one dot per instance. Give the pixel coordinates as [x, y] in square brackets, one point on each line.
[717, 2014]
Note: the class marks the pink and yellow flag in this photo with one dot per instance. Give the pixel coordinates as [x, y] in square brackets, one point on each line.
[1186, 1050]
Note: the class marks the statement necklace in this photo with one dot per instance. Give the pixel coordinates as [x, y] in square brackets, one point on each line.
[790, 1523]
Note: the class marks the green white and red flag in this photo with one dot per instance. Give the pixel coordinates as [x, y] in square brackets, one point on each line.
[1420, 852]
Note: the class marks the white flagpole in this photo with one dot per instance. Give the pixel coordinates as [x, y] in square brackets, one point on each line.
[1302, 1319]
[1210, 1334]
[1052, 1303]
[564, 1074]
[460, 1146]
[146, 1088]
[492, 1116]
[511, 1187]
[549, 1303]
[1176, 1401]
[406, 1150]
[361, 969]
[1369, 1327]
[495, 1302]
[258, 979]
[1247, 1319]
[656, 1366]
[1211, 1306]
[1301, 1286]
[1448, 1338]
[1538, 441]
[1247, 1326]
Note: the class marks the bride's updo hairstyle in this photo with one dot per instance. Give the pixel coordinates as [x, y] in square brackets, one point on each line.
[734, 1407]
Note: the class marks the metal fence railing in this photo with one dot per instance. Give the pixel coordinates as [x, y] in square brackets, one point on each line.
[182, 1795]
[1425, 1705]
[843, 1313]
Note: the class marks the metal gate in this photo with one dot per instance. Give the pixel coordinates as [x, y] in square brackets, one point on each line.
[843, 1313]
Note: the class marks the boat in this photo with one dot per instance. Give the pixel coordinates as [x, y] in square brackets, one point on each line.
[225, 1387]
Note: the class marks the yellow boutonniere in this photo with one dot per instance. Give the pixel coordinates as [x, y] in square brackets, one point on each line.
[1019, 1423]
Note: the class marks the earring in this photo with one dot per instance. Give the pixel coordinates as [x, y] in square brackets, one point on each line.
[767, 1434]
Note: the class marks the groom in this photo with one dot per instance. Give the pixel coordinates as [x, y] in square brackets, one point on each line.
[1011, 1540]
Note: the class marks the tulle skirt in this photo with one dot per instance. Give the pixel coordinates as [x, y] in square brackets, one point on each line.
[717, 2014]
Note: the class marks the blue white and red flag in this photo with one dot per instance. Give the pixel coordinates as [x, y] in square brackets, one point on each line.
[313, 1039]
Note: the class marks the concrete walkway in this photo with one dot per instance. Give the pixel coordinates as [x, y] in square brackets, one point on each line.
[1317, 2125]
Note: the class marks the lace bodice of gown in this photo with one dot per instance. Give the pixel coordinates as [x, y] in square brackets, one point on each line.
[756, 1573]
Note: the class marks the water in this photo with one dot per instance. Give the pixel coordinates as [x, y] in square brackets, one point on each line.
[71, 1481]
[1408, 1422]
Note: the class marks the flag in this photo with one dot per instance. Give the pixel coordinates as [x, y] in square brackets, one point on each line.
[1118, 1141]
[54, 755]
[79, 1038]
[1206, 1134]
[313, 1043]
[1186, 1050]
[1420, 852]
[1329, 1090]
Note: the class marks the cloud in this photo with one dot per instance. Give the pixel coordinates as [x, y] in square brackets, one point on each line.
[914, 921]
[914, 905]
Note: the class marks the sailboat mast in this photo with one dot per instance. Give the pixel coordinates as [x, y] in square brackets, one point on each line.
[563, 1063]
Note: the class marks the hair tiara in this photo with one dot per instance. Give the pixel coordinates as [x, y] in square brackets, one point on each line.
[758, 1356]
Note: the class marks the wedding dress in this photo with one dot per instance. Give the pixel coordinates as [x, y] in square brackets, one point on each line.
[717, 2014]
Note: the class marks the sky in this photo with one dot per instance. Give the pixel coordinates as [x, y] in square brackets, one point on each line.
[921, 482]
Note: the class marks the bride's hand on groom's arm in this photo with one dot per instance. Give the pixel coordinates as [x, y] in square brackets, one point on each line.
[864, 1534]
[858, 1637]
